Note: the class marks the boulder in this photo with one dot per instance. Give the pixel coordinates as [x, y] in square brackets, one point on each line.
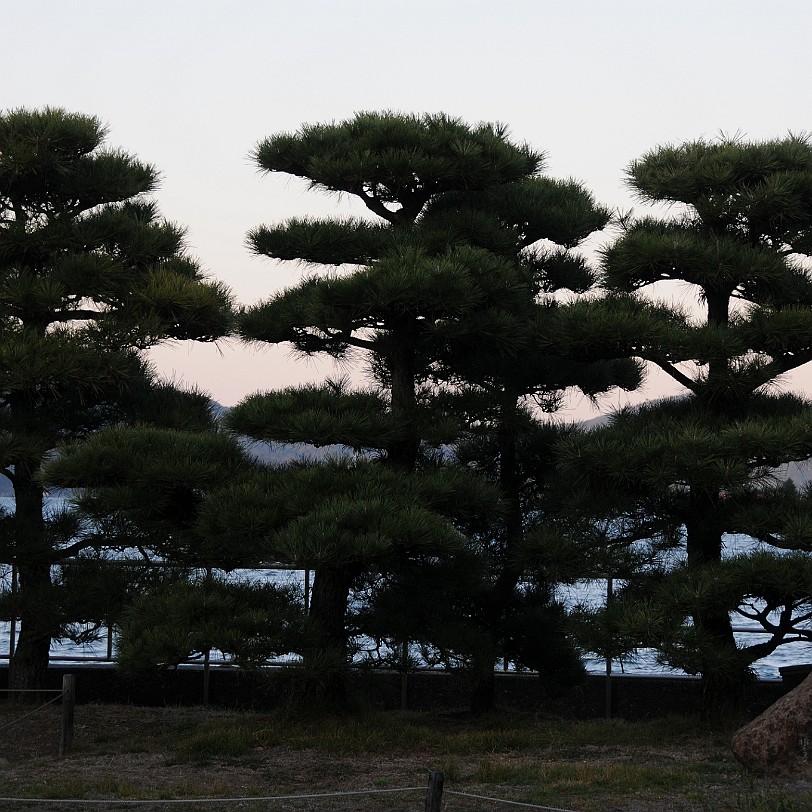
[780, 740]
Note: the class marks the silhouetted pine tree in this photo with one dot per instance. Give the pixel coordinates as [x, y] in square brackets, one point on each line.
[89, 276]
[446, 261]
[399, 278]
[740, 230]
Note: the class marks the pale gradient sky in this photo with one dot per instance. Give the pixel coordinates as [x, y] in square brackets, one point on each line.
[192, 85]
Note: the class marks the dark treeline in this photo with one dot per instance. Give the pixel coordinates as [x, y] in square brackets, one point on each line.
[455, 503]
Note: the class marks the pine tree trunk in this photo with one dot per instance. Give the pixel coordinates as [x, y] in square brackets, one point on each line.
[402, 453]
[29, 665]
[722, 686]
[722, 683]
[498, 600]
[325, 659]
[483, 694]
[28, 669]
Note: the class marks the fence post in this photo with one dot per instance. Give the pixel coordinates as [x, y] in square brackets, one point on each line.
[12, 634]
[404, 677]
[608, 698]
[68, 702]
[206, 676]
[434, 795]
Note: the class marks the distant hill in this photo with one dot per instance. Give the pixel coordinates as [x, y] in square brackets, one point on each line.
[281, 453]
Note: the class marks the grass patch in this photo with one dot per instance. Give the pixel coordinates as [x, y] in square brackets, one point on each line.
[205, 745]
[592, 766]
[778, 802]
[72, 786]
[386, 733]
[621, 776]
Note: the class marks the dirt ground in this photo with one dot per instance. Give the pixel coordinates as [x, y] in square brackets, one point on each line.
[31, 756]
[123, 757]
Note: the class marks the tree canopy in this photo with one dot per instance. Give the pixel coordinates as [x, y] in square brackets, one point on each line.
[739, 234]
[462, 294]
[89, 276]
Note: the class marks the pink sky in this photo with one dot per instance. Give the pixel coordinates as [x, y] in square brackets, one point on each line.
[192, 85]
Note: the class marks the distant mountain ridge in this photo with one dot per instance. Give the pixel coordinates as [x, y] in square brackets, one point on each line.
[280, 453]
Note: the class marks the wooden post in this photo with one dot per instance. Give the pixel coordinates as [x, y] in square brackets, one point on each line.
[404, 677]
[307, 591]
[68, 702]
[109, 640]
[206, 677]
[12, 634]
[434, 796]
[609, 591]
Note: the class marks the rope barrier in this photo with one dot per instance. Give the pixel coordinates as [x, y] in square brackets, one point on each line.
[503, 801]
[31, 713]
[30, 690]
[264, 798]
[110, 801]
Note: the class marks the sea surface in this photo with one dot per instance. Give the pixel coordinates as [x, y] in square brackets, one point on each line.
[592, 592]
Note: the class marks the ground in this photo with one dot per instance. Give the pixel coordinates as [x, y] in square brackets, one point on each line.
[155, 755]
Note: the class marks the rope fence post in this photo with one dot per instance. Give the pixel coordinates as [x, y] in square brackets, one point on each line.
[68, 702]
[434, 795]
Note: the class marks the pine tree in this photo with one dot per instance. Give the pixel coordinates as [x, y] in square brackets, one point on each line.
[140, 491]
[89, 275]
[412, 271]
[500, 370]
[741, 225]
[406, 273]
[348, 519]
[446, 263]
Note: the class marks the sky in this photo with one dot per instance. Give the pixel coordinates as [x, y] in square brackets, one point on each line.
[191, 86]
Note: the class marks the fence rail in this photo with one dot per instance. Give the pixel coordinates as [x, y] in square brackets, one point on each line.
[206, 664]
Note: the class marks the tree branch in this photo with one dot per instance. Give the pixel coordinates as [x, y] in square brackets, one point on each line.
[73, 549]
[678, 376]
[787, 363]
[361, 343]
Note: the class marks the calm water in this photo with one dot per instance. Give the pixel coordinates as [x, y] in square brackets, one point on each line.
[591, 592]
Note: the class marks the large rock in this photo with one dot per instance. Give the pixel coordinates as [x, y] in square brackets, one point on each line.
[780, 740]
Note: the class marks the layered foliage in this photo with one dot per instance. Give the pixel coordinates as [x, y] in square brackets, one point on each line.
[443, 481]
[739, 234]
[415, 268]
[449, 296]
[185, 620]
[89, 276]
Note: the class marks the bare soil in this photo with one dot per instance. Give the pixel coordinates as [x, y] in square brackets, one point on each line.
[123, 754]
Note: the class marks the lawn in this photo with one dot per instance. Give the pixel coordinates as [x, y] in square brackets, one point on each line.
[363, 761]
